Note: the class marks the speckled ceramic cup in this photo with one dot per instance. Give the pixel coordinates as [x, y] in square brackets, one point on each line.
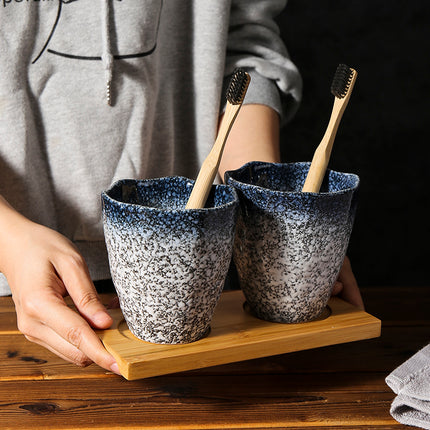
[290, 245]
[168, 264]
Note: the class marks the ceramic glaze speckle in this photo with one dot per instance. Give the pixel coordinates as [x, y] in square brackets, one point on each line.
[290, 245]
[168, 264]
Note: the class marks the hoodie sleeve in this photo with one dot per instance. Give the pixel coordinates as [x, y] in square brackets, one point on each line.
[254, 44]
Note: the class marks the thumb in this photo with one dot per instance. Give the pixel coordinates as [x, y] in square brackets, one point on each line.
[350, 291]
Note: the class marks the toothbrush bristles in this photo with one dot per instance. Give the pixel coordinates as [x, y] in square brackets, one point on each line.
[341, 81]
[238, 86]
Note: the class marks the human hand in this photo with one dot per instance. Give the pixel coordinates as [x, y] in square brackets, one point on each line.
[42, 267]
[346, 286]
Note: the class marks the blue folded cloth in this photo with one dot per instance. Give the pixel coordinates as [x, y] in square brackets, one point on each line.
[411, 382]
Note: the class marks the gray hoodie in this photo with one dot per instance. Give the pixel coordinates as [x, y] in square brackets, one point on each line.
[163, 64]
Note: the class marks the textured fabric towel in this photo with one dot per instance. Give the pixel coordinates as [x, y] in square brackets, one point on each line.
[411, 382]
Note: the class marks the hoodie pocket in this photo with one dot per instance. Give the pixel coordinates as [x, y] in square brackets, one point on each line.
[77, 31]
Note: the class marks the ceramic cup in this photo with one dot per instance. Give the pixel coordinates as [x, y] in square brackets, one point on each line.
[290, 245]
[168, 264]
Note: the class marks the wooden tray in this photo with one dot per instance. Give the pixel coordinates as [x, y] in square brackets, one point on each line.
[236, 335]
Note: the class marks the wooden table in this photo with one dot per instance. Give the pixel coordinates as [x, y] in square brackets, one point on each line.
[335, 387]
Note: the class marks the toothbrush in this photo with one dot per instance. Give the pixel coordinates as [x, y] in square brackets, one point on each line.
[235, 95]
[341, 88]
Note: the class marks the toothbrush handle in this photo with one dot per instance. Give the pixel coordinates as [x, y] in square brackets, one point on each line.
[209, 168]
[322, 153]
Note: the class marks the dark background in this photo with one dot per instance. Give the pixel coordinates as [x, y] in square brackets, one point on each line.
[383, 136]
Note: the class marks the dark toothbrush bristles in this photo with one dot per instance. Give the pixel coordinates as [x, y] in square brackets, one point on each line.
[341, 81]
[238, 85]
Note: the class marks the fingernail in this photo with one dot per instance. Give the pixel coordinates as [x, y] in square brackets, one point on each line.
[115, 369]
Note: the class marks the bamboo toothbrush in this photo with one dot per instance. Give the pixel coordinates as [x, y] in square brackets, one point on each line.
[341, 88]
[235, 95]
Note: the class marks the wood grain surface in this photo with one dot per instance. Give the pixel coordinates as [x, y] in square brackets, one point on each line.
[333, 387]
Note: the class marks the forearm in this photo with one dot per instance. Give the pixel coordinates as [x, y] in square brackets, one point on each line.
[8, 214]
[253, 137]
[10, 222]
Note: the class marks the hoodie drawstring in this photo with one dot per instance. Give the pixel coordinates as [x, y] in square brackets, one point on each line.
[107, 57]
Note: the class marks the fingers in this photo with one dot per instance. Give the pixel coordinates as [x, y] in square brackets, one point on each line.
[44, 317]
[69, 325]
[77, 332]
[42, 266]
[353, 296]
[47, 338]
[62, 331]
[63, 349]
[350, 291]
[75, 276]
[337, 288]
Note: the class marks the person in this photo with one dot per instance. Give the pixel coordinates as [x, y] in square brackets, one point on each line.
[96, 91]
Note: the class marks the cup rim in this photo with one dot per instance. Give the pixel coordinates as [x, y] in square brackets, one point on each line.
[105, 195]
[230, 179]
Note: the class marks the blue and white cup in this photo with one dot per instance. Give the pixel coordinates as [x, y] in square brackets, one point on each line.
[168, 263]
[290, 245]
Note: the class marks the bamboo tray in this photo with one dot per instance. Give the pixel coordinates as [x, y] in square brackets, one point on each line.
[236, 335]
